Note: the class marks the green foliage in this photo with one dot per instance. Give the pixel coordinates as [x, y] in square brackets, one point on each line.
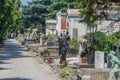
[46, 53]
[117, 34]
[111, 41]
[89, 10]
[38, 10]
[57, 6]
[10, 16]
[34, 13]
[45, 36]
[74, 43]
[100, 39]
[103, 42]
[66, 70]
[29, 30]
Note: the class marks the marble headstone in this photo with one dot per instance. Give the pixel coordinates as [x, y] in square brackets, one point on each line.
[71, 61]
[41, 42]
[86, 77]
[99, 59]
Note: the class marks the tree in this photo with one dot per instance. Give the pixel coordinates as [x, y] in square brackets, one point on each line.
[89, 10]
[92, 11]
[37, 11]
[59, 6]
[9, 16]
[34, 13]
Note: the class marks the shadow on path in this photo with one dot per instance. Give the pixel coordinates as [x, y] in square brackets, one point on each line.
[2, 62]
[12, 50]
[15, 79]
[4, 68]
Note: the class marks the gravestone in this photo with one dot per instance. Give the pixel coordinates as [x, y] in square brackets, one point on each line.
[71, 61]
[86, 77]
[53, 49]
[57, 61]
[99, 59]
[41, 42]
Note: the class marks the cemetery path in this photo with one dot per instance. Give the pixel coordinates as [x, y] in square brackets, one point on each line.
[17, 64]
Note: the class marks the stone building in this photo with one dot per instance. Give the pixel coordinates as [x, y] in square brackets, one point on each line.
[76, 29]
[50, 27]
[61, 25]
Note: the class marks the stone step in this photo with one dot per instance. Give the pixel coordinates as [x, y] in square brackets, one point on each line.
[85, 65]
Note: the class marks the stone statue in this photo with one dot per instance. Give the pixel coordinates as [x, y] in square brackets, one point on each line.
[60, 40]
[63, 54]
[84, 44]
[91, 50]
[62, 48]
[115, 66]
[92, 39]
[84, 47]
[67, 39]
[78, 75]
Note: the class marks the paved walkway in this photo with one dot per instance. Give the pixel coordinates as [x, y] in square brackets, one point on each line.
[17, 64]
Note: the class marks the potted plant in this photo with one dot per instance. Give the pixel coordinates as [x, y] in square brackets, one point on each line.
[41, 53]
[84, 59]
[49, 60]
[104, 43]
[46, 53]
[63, 64]
[74, 46]
[66, 70]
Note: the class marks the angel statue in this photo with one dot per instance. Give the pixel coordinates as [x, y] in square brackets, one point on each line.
[115, 66]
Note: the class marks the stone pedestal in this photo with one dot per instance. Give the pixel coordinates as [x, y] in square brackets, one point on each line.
[99, 59]
[41, 43]
[86, 77]
[95, 74]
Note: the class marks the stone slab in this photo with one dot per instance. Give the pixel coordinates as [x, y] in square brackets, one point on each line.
[71, 60]
[99, 59]
[95, 74]
[85, 65]
[86, 77]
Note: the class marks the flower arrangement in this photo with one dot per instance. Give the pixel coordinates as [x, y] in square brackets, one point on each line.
[84, 59]
[41, 53]
[49, 60]
[44, 53]
[64, 63]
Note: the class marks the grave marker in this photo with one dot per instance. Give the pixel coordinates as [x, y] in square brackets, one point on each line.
[86, 77]
[99, 59]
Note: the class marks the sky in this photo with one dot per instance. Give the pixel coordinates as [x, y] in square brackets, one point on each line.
[24, 2]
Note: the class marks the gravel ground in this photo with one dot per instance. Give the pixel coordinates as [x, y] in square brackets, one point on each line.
[18, 64]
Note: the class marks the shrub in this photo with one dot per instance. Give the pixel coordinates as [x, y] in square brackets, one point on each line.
[66, 70]
[74, 43]
[99, 42]
[46, 53]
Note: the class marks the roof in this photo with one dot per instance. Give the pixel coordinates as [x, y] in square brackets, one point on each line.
[62, 13]
[73, 12]
[50, 21]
